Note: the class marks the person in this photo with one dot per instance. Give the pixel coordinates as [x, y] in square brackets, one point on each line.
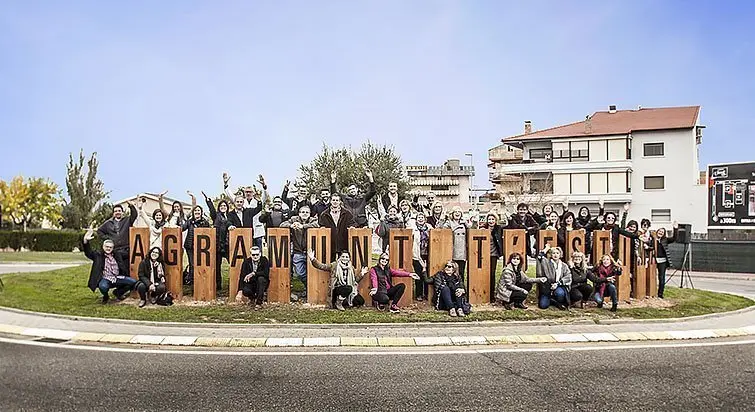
[222, 224]
[252, 200]
[297, 202]
[382, 288]
[109, 270]
[552, 223]
[459, 227]
[581, 291]
[243, 216]
[322, 204]
[557, 277]
[352, 201]
[116, 229]
[155, 224]
[610, 224]
[151, 276]
[299, 225]
[522, 219]
[338, 220]
[437, 215]
[604, 279]
[420, 254]
[343, 289]
[275, 216]
[197, 220]
[568, 223]
[392, 220]
[544, 218]
[496, 248]
[660, 244]
[176, 216]
[423, 204]
[390, 198]
[514, 285]
[405, 211]
[586, 221]
[254, 278]
[449, 290]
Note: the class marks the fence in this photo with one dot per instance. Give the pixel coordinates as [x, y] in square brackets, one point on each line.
[717, 256]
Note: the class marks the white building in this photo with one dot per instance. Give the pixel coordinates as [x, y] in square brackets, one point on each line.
[647, 157]
[151, 203]
[451, 183]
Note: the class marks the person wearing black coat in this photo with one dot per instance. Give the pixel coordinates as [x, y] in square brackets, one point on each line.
[222, 224]
[243, 216]
[391, 198]
[254, 278]
[108, 270]
[496, 248]
[522, 219]
[322, 204]
[276, 216]
[568, 223]
[580, 291]
[301, 199]
[338, 220]
[449, 290]
[151, 276]
[116, 229]
[352, 201]
[196, 220]
[660, 243]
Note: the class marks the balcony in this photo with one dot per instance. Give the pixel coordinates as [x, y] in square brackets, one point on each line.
[504, 153]
[571, 167]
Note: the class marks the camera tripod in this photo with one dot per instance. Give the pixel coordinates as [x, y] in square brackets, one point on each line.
[685, 268]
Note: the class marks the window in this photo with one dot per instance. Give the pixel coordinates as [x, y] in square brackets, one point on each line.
[654, 182]
[539, 153]
[660, 215]
[652, 149]
[439, 188]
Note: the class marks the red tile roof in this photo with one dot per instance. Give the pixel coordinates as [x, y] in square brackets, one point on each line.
[620, 122]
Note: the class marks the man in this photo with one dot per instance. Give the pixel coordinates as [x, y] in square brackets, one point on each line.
[276, 216]
[299, 225]
[243, 216]
[254, 277]
[323, 204]
[352, 201]
[116, 229]
[423, 206]
[523, 219]
[301, 198]
[339, 220]
[390, 198]
[251, 201]
[109, 270]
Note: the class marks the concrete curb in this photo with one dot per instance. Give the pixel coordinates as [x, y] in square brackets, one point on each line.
[159, 340]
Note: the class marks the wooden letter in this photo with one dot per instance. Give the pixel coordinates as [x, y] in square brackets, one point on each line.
[278, 244]
[360, 249]
[624, 285]
[478, 245]
[401, 258]
[515, 241]
[240, 245]
[441, 250]
[640, 278]
[204, 264]
[547, 237]
[318, 281]
[138, 248]
[601, 240]
[575, 242]
[173, 255]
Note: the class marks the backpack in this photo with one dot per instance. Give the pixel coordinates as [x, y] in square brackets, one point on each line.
[166, 299]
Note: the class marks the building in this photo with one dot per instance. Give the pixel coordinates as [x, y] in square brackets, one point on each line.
[152, 202]
[503, 183]
[647, 157]
[451, 183]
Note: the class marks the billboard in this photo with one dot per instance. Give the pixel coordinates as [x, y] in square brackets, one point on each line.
[731, 196]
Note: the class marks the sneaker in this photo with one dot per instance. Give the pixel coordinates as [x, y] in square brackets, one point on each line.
[294, 297]
[339, 304]
[381, 307]
[520, 305]
[142, 303]
[122, 297]
[507, 306]
[394, 308]
[460, 311]
[105, 299]
[600, 305]
[452, 312]
[258, 306]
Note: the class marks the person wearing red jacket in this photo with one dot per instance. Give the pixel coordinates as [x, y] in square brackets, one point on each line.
[382, 288]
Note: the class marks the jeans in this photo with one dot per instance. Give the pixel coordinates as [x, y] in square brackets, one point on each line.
[559, 295]
[448, 300]
[662, 278]
[393, 294]
[420, 287]
[611, 290]
[255, 289]
[299, 263]
[122, 286]
[493, 266]
[258, 242]
[142, 288]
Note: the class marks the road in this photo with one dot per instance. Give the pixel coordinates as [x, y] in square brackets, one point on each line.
[31, 267]
[690, 378]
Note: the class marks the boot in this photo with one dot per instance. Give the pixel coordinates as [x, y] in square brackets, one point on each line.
[339, 303]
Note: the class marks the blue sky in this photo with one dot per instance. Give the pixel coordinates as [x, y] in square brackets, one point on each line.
[173, 93]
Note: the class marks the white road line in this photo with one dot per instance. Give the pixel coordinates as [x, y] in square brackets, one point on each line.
[403, 351]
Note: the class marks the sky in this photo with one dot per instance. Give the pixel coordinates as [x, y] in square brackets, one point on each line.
[171, 94]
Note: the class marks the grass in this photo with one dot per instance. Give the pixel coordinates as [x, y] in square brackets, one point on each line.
[64, 291]
[42, 257]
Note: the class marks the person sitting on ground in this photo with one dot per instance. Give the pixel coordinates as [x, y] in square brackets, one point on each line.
[392, 220]
[558, 279]
[581, 291]
[299, 225]
[514, 285]
[108, 271]
[352, 201]
[151, 277]
[254, 278]
[449, 290]
[382, 288]
[604, 279]
[343, 289]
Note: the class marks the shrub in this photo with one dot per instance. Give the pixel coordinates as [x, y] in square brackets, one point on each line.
[42, 240]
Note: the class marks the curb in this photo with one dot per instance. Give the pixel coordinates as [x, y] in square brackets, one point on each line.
[194, 341]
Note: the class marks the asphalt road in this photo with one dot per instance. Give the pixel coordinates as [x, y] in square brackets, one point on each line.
[691, 378]
[26, 268]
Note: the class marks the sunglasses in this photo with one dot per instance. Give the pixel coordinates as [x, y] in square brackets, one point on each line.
[255, 254]
[450, 266]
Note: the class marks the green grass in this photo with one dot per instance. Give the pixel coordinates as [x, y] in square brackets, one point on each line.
[42, 257]
[64, 291]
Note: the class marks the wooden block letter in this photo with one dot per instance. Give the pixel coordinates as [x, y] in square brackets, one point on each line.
[601, 245]
[173, 256]
[318, 281]
[360, 249]
[515, 241]
[240, 243]
[547, 237]
[441, 250]
[204, 264]
[278, 244]
[478, 245]
[575, 242]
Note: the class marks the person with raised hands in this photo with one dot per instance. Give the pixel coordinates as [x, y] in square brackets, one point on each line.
[109, 270]
[301, 199]
[117, 227]
[196, 220]
[392, 220]
[252, 200]
[352, 200]
[344, 282]
[390, 198]
[660, 244]
[275, 216]
[222, 223]
[299, 225]
[383, 291]
[175, 217]
[155, 223]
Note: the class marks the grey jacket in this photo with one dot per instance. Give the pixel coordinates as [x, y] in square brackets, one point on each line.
[546, 269]
[507, 284]
[460, 239]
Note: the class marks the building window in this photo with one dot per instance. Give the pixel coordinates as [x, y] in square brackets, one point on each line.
[654, 182]
[629, 149]
[439, 188]
[539, 153]
[660, 215]
[652, 149]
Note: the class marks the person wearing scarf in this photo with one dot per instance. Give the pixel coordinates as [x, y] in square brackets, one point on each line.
[420, 254]
[223, 225]
[604, 279]
[382, 289]
[151, 276]
[343, 289]
[155, 224]
[557, 277]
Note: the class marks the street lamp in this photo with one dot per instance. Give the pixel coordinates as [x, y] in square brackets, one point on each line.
[471, 180]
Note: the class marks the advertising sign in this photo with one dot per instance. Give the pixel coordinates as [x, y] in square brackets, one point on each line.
[731, 196]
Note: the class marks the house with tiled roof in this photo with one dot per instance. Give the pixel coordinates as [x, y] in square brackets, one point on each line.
[647, 157]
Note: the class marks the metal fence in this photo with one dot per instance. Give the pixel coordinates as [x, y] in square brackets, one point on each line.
[717, 256]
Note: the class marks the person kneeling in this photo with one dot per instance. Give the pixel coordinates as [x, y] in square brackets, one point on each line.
[449, 290]
[383, 291]
[151, 277]
[108, 271]
[604, 279]
[514, 285]
[343, 281]
[254, 278]
[555, 288]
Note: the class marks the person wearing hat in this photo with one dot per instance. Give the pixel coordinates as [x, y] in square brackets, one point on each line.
[352, 201]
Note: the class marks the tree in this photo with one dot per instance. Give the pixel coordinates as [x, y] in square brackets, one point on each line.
[85, 191]
[30, 202]
[350, 167]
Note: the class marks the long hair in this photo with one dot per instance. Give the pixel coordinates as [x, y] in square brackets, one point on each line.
[567, 214]
[512, 256]
[201, 212]
[455, 266]
[582, 265]
[181, 216]
[154, 218]
[600, 262]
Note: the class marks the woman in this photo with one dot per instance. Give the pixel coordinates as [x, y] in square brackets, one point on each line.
[585, 221]
[542, 219]
[420, 254]
[392, 220]
[197, 220]
[151, 276]
[382, 288]
[660, 244]
[406, 212]
[222, 224]
[437, 215]
[604, 279]
[449, 290]
[343, 289]
[175, 217]
[496, 247]
[459, 228]
[569, 223]
[581, 291]
[552, 223]
[155, 224]
[557, 279]
[514, 285]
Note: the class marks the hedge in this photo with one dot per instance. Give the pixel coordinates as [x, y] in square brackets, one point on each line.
[42, 240]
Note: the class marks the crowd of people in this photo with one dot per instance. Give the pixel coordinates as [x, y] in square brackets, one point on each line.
[562, 281]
